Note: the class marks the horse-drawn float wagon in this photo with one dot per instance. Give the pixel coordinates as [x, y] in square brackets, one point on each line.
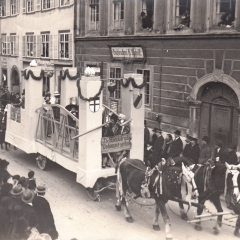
[55, 133]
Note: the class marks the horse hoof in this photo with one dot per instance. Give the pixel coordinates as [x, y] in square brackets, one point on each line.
[129, 219]
[184, 217]
[236, 233]
[215, 231]
[156, 227]
[198, 228]
[118, 208]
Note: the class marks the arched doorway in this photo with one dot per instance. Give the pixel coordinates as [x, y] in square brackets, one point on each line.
[218, 115]
[15, 82]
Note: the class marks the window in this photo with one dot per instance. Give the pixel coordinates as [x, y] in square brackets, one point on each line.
[64, 45]
[226, 5]
[3, 8]
[118, 14]
[147, 14]
[146, 76]
[115, 76]
[29, 45]
[46, 4]
[14, 45]
[94, 14]
[14, 7]
[46, 85]
[4, 44]
[182, 14]
[30, 5]
[45, 45]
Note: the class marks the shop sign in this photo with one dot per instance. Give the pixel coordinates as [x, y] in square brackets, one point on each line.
[46, 65]
[116, 143]
[4, 62]
[130, 53]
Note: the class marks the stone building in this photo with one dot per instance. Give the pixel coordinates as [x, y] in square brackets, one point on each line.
[189, 54]
[35, 29]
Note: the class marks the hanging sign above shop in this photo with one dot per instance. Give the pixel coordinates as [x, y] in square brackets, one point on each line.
[127, 53]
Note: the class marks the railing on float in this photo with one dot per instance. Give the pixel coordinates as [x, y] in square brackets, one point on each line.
[55, 128]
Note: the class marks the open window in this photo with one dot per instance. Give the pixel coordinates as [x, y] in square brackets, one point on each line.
[146, 76]
[147, 10]
[182, 14]
[118, 14]
[224, 13]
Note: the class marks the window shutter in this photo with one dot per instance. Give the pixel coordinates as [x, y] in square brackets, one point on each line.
[34, 46]
[55, 47]
[39, 44]
[57, 3]
[23, 46]
[50, 46]
[52, 3]
[70, 46]
[8, 8]
[8, 45]
[16, 46]
[38, 5]
[17, 7]
[24, 6]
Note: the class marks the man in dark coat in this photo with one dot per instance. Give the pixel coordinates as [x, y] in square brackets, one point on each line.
[44, 213]
[177, 145]
[146, 138]
[230, 156]
[205, 151]
[218, 153]
[195, 150]
[188, 146]
[157, 148]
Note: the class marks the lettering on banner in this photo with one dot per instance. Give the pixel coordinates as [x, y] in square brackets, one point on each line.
[116, 143]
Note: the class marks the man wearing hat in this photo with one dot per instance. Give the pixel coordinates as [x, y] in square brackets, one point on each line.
[154, 136]
[177, 145]
[157, 148]
[218, 153]
[205, 151]
[230, 156]
[44, 213]
[188, 146]
[4, 174]
[195, 150]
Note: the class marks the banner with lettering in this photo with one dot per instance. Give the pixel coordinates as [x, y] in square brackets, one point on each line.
[116, 143]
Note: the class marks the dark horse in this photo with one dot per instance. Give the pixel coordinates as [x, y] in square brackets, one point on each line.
[217, 178]
[132, 173]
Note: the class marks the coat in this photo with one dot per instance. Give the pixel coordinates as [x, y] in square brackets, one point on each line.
[219, 153]
[157, 151]
[194, 153]
[205, 154]
[187, 150]
[230, 158]
[146, 136]
[30, 214]
[166, 149]
[44, 213]
[176, 149]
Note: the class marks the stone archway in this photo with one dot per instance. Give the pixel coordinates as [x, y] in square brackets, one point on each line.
[196, 105]
[15, 80]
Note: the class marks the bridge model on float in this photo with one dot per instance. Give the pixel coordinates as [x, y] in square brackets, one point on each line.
[77, 147]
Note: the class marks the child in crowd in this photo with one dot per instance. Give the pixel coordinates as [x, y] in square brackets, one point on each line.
[32, 180]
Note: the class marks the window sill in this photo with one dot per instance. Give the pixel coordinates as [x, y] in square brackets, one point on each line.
[29, 13]
[47, 9]
[66, 6]
[221, 29]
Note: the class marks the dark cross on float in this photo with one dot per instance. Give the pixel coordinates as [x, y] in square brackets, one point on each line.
[94, 105]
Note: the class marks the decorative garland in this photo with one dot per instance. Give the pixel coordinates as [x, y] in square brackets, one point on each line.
[130, 79]
[26, 75]
[91, 98]
[66, 74]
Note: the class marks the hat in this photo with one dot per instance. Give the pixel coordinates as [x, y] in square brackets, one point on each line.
[158, 130]
[177, 132]
[56, 93]
[6, 188]
[41, 189]
[17, 190]
[3, 163]
[218, 143]
[189, 137]
[27, 196]
[232, 145]
[154, 130]
[114, 117]
[23, 182]
[206, 139]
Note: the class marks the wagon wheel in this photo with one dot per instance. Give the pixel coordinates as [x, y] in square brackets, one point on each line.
[41, 162]
[91, 192]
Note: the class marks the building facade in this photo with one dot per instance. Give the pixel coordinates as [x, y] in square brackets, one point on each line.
[189, 54]
[35, 29]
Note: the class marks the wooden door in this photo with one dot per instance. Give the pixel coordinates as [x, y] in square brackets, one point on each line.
[221, 117]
